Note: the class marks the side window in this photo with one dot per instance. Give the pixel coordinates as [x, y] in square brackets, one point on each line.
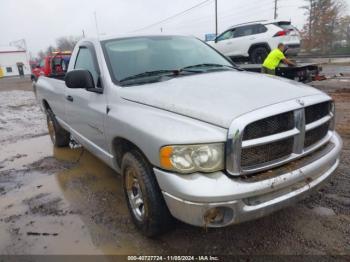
[226, 35]
[85, 61]
[244, 31]
[258, 29]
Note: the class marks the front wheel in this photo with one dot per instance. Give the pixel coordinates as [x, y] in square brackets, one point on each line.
[144, 198]
[59, 136]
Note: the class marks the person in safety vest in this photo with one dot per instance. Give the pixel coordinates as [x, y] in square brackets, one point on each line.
[273, 60]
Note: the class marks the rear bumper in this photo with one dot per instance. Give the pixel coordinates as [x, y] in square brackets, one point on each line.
[191, 197]
[292, 50]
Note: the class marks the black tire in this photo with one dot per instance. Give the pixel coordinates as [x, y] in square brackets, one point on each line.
[258, 55]
[156, 218]
[59, 136]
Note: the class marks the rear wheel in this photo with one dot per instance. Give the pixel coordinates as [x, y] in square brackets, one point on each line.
[258, 55]
[144, 198]
[59, 136]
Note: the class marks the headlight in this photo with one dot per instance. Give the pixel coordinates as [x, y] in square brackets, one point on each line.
[193, 158]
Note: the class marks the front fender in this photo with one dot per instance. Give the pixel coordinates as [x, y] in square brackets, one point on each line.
[151, 128]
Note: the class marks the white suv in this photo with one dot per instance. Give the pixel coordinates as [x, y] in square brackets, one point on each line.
[255, 40]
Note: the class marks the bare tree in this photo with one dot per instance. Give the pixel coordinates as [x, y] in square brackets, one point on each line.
[50, 49]
[343, 29]
[66, 43]
[41, 55]
[323, 16]
[307, 31]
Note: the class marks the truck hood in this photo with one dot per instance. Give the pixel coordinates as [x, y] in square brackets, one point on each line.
[217, 97]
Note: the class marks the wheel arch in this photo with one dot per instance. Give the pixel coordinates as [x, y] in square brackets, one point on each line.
[45, 104]
[262, 44]
[121, 145]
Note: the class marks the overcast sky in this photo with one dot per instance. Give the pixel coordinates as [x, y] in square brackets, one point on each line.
[40, 22]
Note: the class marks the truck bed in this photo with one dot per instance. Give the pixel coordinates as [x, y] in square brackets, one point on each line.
[302, 72]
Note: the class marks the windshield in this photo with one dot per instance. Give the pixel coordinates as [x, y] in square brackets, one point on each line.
[134, 56]
[286, 26]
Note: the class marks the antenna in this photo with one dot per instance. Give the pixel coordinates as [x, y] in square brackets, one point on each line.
[216, 17]
[97, 31]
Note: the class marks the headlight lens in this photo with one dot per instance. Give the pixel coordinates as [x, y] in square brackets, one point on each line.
[193, 158]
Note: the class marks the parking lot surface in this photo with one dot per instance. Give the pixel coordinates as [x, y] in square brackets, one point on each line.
[66, 201]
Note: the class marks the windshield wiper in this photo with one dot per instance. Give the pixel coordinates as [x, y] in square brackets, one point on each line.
[175, 72]
[208, 65]
[151, 73]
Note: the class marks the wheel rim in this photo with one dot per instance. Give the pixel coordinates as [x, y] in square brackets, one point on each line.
[51, 129]
[134, 193]
[260, 56]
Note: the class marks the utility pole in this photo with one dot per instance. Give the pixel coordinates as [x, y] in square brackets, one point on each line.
[275, 14]
[216, 17]
[311, 18]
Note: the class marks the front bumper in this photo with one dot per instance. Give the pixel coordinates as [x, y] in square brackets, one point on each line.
[191, 197]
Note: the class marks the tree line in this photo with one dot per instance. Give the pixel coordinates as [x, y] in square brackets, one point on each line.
[327, 29]
[64, 43]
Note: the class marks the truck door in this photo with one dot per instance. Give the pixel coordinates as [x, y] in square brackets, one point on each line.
[86, 110]
[246, 36]
[243, 37]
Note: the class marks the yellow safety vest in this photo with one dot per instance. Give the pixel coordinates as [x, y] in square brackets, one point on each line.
[273, 59]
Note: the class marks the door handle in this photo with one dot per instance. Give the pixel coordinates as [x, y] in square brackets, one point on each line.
[69, 98]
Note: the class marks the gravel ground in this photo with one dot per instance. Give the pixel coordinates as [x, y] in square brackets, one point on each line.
[66, 201]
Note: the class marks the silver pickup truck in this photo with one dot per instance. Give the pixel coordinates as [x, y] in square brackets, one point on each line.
[193, 136]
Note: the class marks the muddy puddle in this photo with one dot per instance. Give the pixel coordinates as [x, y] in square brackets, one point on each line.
[21, 153]
[70, 203]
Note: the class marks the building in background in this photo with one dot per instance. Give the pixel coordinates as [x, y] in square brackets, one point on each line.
[13, 62]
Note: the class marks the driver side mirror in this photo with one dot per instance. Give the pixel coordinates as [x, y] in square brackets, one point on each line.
[79, 78]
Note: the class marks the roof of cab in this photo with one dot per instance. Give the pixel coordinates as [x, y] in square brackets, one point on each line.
[130, 35]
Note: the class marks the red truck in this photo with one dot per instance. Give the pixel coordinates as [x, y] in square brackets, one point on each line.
[54, 65]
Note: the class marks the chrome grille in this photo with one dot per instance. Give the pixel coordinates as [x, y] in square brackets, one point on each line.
[314, 135]
[316, 112]
[269, 126]
[259, 141]
[266, 153]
